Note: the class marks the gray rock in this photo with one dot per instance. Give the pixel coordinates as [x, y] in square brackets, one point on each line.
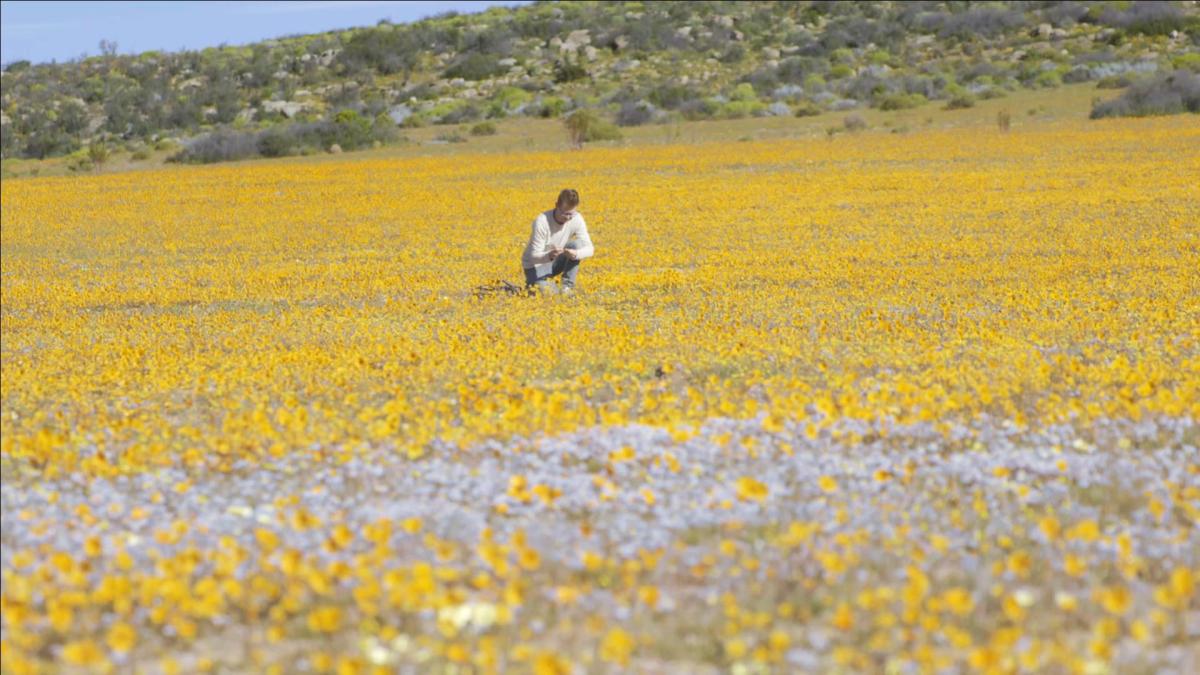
[289, 109]
[770, 53]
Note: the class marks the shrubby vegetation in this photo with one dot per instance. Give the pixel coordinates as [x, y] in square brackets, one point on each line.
[646, 62]
[347, 131]
[1175, 93]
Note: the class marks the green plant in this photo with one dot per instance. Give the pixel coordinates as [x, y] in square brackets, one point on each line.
[585, 126]
[97, 153]
[901, 101]
[484, 129]
[960, 102]
[806, 109]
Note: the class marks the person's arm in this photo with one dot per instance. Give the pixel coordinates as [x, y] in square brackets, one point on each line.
[538, 250]
[583, 243]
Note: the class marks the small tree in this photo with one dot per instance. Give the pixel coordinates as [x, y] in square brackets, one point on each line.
[585, 125]
[98, 153]
[108, 48]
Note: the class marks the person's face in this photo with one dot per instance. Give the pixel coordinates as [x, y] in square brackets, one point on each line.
[563, 213]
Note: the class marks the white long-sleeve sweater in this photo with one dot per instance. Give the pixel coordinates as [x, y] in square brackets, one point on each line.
[548, 234]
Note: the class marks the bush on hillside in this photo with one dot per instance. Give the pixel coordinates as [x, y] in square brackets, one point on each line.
[986, 22]
[1170, 94]
[1149, 18]
[635, 113]
[474, 67]
[219, 146]
[568, 71]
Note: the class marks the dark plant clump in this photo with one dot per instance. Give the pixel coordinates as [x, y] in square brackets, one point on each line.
[634, 114]
[1149, 18]
[1174, 93]
[960, 101]
[484, 129]
[854, 122]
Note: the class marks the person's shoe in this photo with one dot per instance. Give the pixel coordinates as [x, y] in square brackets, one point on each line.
[568, 291]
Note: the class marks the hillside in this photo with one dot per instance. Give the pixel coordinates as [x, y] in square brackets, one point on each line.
[637, 62]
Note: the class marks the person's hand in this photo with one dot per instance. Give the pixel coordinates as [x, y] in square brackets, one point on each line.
[570, 253]
[554, 253]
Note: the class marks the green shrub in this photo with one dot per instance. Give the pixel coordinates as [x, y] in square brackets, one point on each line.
[484, 129]
[552, 106]
[960, 102]
[840, 71]
[744, 92]
[474, 67]
[140, 154]
[901, 101]
[585, 126]
[510, 97]
[807, 109]
[1048, 80]
[98, 153]
[567, 71]
[1190, 61]
[1114, 82]
[740, 109]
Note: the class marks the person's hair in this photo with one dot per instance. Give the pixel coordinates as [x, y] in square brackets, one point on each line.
[568, 198]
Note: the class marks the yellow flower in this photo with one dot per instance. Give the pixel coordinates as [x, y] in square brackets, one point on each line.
[121, 637]
[828, 484]
[616, 647]
[749, 489]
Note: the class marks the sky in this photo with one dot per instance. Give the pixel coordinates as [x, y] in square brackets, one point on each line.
[42, 31]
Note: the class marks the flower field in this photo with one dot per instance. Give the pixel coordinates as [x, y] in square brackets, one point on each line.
[881, 403]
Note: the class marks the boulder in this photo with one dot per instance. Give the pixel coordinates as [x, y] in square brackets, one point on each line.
[335, 149]
[590, 53]
[620, 42]
[770, 53]
[576, 39]
[288, 109]
[95, 123]
[724, 20]
[738, 36]
[507, 63]
[1044, 30]
[399, 113]
[684, 32]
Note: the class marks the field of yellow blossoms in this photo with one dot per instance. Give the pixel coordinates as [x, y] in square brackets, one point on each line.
[881, 403]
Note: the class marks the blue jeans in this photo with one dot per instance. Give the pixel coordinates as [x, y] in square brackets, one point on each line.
[568, 268]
